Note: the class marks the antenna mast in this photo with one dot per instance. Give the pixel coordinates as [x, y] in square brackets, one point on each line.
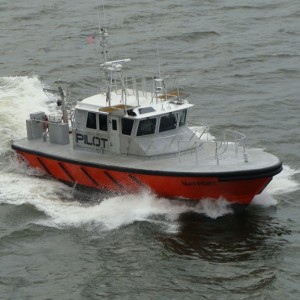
[104, 42]
[158, 60]
[103, 33]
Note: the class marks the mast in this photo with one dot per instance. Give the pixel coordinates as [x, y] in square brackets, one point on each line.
[110, 67]
[159, 85]
[104, 42]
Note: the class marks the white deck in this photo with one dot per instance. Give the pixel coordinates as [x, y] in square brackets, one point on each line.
[201, 160]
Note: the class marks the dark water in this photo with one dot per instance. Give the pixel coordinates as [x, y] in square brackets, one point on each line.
[239, 61]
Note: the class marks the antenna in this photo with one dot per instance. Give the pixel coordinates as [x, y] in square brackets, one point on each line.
[159, 84]
[98, 14]
[104, 42]
[158, 60]
[103, 10]
[102, 32]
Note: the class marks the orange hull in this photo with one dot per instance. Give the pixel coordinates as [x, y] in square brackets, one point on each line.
[235, 189]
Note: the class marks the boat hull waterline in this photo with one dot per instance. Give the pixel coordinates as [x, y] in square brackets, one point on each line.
[238, 187]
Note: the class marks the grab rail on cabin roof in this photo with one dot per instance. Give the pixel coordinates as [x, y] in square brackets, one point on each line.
[141, 85]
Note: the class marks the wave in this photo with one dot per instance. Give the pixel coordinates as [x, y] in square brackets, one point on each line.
[62, 207]
[18, 97]
[192, 36]
[283, 183]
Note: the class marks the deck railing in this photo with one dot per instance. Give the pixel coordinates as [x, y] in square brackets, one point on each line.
[183, 143]
[231, 137]
[142, 86]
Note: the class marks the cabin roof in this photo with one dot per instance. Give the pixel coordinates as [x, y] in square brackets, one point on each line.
[146, 106]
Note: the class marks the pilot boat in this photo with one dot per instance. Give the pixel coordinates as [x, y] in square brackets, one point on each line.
[133, 135]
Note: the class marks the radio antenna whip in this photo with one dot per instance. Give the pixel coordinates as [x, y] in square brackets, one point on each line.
[103, 33]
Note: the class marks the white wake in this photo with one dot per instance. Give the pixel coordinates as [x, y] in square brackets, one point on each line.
[19, 96]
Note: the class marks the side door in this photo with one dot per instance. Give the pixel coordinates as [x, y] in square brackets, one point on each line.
[114, 131]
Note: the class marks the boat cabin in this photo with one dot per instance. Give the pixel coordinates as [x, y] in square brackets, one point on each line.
[126, 128]
[131, 116]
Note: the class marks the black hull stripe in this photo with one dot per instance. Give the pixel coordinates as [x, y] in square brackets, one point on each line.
[114, 181]
[89, 176]
[137, 181]
[66, 172]
[243, 175]
[44, 166]
[222, 176]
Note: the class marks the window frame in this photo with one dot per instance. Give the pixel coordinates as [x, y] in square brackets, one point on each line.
[114, 125]
[138, 133]
[180, 114]
[91, 122]
[101, 123]
[175, 114]
[122, 124]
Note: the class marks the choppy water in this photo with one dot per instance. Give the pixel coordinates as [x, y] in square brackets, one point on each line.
[239, 61]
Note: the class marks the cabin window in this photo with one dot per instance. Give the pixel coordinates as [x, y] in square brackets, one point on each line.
[91, 121]
[114, 124]
[103, 122]
[127, 125]
[145, 110]
[167, 122]
[182, 117]
[146, 126]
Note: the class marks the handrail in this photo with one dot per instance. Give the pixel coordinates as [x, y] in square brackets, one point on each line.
[131, 84]
[192, 142]
[173, 136]
[239, 139]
